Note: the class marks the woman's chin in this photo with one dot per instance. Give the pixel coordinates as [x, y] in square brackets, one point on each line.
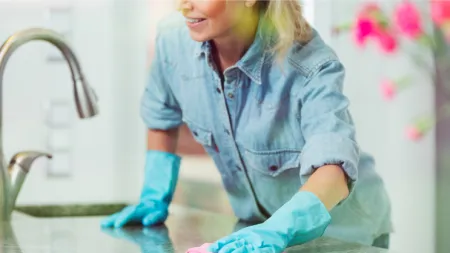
[199, 37]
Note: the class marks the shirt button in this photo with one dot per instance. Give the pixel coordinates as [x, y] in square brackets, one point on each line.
[218, 90]
[231, 95]
[273, 168]
[227, 132]
[238, 168]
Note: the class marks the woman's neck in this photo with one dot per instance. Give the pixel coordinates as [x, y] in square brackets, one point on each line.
[228, 49]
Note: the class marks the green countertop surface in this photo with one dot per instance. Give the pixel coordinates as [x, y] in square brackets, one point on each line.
[186, 227]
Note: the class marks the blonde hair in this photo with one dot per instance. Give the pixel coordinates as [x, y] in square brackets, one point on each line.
[290, 26]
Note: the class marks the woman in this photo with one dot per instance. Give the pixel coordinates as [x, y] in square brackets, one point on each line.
[262, 92]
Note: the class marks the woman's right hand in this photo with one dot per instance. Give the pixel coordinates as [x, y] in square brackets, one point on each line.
[146, 213]
[160, 180]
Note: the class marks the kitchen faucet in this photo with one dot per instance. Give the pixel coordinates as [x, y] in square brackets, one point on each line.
[12, 175]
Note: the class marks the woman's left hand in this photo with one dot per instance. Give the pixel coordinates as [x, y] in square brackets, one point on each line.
[257, 238]
[300, 220]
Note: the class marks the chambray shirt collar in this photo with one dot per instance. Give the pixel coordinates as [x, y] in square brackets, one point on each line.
[253, 60]
[202, 48]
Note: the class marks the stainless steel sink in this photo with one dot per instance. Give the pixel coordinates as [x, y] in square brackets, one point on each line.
[70, 210]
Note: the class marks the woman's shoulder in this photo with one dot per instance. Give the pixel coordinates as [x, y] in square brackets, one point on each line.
[310, 57]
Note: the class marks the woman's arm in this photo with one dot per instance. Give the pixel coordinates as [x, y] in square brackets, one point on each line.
[330, 157]
[163, 140]
[329, 184]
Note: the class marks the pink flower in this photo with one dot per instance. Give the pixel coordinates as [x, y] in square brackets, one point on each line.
[421, 125]
[366, 23]
[440, 11]
[388, 89]
[413, 133]
[371, 22]
[408, 20]
[364, 28]
[387, 41]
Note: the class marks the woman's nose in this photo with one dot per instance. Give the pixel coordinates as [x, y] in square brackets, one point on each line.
[184, 5]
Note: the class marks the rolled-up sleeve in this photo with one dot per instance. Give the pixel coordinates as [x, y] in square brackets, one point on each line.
[159, 108]
[327, 125]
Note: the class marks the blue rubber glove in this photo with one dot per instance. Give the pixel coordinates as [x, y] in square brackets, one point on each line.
[301, 219]
[161, 176]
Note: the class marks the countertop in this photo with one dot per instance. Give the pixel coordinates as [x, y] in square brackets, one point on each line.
[185, 228]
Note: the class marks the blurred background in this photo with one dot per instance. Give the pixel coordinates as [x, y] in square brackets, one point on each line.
[101, 159]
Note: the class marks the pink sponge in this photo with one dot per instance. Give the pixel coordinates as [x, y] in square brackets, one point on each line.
[201, 249]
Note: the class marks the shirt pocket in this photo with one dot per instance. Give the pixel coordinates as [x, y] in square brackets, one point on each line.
[275, 176]
[206, 139]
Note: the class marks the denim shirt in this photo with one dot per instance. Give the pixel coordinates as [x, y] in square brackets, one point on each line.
[267, 125]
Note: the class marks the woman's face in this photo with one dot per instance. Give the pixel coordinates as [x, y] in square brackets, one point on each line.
[213, 19]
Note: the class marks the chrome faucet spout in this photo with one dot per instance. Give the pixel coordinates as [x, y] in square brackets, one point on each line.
[84, 95]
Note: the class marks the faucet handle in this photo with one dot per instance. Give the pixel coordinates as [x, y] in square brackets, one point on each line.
[25, 158]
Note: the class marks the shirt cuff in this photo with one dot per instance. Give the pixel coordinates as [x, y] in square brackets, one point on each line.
[326, 149]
